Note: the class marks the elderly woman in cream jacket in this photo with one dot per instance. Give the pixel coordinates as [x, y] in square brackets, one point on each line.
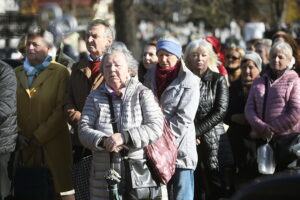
[138, 116]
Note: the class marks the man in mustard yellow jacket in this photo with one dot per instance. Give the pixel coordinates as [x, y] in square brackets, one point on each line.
[41, 86]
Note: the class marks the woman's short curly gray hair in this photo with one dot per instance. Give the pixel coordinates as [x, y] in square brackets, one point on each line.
[120, 47]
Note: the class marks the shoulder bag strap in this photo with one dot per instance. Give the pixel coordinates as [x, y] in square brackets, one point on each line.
[112, 114]
[113, 156]
[265, 98]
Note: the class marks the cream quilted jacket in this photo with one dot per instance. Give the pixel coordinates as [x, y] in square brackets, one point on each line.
[139, 118]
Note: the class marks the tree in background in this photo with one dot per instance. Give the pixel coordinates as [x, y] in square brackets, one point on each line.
[126, 25]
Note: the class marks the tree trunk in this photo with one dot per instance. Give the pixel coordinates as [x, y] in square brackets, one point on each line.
[126, 25]
[278, 13]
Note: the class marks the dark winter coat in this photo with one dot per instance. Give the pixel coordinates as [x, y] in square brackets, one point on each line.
[8, 109]
[214, 149]
[243, 147]
[80, 86]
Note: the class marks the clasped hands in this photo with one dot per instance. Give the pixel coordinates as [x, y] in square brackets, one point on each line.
[114, 143]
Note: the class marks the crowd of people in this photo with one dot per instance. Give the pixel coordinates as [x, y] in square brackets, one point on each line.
[219, 104]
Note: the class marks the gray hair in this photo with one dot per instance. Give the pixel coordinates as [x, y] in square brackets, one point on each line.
[265, 43]
[38, 31]
[283, 47]
[120, 47]
[207, 47]
[109, 31]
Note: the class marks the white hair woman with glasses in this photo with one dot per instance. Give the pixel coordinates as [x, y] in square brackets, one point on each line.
[213, 147]
[139, 121]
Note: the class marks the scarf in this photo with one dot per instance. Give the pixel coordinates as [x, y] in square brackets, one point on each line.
[275, 75]
[95, 68]
[164, 76]
[33, 71]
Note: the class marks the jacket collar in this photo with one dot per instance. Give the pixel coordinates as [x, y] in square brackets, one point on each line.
[207, 75]
[84, 66]
[151, 78]
[41, 78]
[129, 89]
[289, 73]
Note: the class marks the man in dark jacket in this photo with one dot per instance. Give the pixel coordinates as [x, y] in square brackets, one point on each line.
[86, 76]
[8, 123]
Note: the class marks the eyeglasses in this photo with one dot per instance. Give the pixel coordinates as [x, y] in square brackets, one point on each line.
[232, 57]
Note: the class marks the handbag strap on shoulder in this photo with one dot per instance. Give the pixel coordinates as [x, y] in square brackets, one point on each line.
[113, 156]
[265, 98]
[112, 114]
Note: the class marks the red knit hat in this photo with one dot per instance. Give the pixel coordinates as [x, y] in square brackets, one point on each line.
[217, 47]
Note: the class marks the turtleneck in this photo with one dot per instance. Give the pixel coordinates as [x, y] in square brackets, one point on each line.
[275, 75]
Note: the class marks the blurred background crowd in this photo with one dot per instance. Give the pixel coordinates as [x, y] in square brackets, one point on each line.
[246, 41]
[138, 21]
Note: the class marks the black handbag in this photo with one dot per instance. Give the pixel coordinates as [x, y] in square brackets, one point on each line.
[33, 183]
[283, 149]
[138, 182]
[282, 144]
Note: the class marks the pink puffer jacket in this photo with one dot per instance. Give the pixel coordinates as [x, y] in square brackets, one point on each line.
[282, 107]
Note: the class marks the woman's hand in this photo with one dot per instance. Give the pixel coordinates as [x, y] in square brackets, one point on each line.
[119, 148]
[114, 142]
[269, 134]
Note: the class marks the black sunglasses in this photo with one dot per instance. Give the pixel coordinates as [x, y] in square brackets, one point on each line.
[232, 57]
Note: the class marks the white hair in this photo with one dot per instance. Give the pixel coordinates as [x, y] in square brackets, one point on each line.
[284, 48]
[205, 46]
[120, 47]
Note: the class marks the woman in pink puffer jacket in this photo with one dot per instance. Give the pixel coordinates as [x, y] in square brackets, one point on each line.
[283, 98]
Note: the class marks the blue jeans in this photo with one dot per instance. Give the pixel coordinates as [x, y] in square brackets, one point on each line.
[181, 185]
